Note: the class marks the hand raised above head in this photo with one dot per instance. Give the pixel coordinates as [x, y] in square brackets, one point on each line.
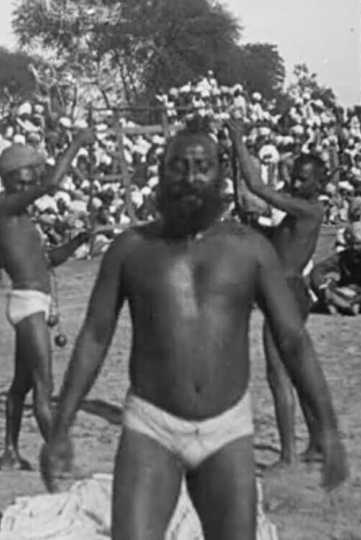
[235, 127]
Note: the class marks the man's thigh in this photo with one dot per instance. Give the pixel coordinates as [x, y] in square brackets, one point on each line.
[33, 345]
[147, 480]
[223, 491]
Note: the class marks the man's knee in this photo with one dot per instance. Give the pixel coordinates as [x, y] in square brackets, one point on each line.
[19, 389]
[21, 384]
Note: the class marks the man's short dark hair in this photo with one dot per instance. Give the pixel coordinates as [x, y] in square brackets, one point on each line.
[316, 161]
[197, 126]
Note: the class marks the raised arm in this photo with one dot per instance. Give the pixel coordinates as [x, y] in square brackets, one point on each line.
[16, 203]
[61, 254]
[90, 350]
[282, 201]
[83, 137]
[299, 357]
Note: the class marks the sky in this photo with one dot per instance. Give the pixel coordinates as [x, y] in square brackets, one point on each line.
[324, 34]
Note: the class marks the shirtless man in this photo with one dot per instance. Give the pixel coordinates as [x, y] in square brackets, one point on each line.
[190, 281]
[295, 241]
[25, 261]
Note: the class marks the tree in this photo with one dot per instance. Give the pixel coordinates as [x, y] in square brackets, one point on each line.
[305, 80]
[261, 69]
[148, 46]
[153, 44]
[16, 80]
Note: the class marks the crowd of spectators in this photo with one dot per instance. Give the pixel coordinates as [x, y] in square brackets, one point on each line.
[94, 194]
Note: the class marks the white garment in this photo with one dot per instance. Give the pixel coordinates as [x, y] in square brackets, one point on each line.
[83, 513]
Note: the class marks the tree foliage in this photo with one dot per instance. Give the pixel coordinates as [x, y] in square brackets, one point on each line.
[262, 69]
[306, 80]
[152, 45]
[16, 81]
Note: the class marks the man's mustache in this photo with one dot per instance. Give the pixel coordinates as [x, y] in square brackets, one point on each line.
[185, 191]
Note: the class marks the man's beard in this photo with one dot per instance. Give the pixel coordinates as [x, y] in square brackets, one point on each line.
[190, 211]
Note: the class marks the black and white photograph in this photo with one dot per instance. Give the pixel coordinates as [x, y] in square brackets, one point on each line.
[180, 270]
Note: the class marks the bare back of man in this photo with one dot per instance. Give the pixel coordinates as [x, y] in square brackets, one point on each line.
[295, 241]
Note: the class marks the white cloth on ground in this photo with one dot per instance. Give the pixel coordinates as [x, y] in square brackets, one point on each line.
[83, 513]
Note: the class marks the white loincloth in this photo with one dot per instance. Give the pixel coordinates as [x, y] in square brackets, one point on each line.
[83, 513]
[23, 302]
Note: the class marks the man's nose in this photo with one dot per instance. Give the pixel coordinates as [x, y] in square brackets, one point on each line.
[190, 175]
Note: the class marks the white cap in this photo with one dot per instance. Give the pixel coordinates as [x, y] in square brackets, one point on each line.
[19, 139]
[25, 108]
[269, 151]
[345, 185]
[146, 191]
[65, 122]
[64, 196]
[137, 198]
[153, 181]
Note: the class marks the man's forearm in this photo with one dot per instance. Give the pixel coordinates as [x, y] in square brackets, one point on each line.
[248, 169]
[61, 254]
[307, 375]
[64, 162]
[84, 366]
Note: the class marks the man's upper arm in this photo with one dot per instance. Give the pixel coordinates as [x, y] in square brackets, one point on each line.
[274, 296]
[109, 292]
[283, 201]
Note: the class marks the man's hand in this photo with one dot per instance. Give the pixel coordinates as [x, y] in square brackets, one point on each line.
[56, 460]
[236, 129]
[334, 470]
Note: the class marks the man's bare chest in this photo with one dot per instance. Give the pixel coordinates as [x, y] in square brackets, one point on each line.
[194, 272]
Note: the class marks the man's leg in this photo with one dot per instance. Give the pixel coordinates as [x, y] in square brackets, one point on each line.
[314, 450]
[282, 392]
[38, 355]
[33, 370]
[223, 491]
[21, 385]
[147, 480]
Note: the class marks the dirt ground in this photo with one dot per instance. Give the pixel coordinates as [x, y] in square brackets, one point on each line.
[294, 500]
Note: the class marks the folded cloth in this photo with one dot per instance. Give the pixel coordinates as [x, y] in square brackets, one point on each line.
[83, 513]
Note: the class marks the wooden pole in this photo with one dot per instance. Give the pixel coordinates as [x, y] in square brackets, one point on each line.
[125, 171]
[165, 124]
[92, 212]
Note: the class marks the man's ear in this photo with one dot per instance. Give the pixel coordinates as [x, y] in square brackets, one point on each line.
[222, 167]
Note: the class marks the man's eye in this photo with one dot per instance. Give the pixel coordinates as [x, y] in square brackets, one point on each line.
[177, 166]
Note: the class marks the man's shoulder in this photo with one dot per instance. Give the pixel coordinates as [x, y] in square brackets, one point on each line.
[135, 236]
[248, 238]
